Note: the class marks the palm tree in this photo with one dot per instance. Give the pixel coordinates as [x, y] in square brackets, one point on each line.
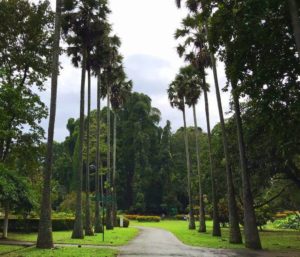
[98, 223]
[114, 61]
[88, 225]
[176, 93]
[294, 12]
[81, 28]
[44, 239]
[192, 95]
[252, 239]
[194, 51]
[119, 93]
[235, 233]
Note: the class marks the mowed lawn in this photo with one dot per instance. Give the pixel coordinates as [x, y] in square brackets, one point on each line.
[271, 239]
[9, 248]
[115, 237]
[61, 252]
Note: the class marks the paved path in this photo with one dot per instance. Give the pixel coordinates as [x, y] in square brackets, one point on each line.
[153, 242]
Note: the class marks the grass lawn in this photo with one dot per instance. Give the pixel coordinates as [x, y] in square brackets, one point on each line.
[9, 248]
[63, 252]
[118, 236]
[271, 239]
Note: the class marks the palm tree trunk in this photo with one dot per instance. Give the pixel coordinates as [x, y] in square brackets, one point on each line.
[44, 239]
[216, 223]
[78, 227]
[252, 239]
[295, 22]
[202, 227]
[191, 206]
[109, 220]
[98, 224]
[5, 221]
[88, 225]
[235, 236]
[115, 171]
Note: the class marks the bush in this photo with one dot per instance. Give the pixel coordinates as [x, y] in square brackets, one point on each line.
[290, 222]
[131, 216]
[180, 216]
[32, 225]
[148, 219]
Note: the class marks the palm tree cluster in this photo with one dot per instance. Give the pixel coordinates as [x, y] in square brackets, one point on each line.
[91, 46]
[186, 89]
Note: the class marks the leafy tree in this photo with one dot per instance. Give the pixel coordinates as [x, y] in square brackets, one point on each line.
[14, 193]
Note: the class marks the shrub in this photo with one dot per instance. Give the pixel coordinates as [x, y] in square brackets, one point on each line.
[290, 222]
[32, 225]
[180, 216]
[131, 216]
[148, 219]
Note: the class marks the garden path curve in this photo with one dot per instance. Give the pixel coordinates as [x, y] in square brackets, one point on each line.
[153, 242]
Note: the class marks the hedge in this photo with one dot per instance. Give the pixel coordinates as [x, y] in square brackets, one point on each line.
[148, 218]
[32, 225]
[131, 216]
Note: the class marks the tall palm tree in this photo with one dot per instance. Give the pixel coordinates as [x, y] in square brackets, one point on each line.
[190, 76]
[98, 223]
[252, 239]
[195, 52]
[119, 93]
[45, 239]
[81, 28]
[88, 224]
[114, 61]
[235, 233]
[294, 12]
[176, 94]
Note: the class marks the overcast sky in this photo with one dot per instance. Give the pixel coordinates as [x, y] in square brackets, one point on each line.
[146, 28]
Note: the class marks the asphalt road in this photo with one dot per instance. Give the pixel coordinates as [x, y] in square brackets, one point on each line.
[153, 242]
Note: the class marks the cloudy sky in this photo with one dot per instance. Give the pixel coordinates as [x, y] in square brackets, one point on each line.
[146, 28]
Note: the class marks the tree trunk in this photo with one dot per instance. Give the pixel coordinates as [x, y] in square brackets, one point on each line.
[295, 22]
[5, 221]
[202, 227]
[109, 218]
[88, 225]
[114, 212]
[78, 227]
[235, 236]
[98, 224]
[44, 239]
[216, 223]
[191, 206]
[252, 239]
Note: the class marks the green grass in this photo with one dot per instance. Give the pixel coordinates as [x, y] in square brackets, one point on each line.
[63, 252]
[9, 248]
[118, 236]
[271, 239]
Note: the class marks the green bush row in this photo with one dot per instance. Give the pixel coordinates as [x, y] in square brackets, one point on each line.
[184, 216]
[32, 225]
[148, 218]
